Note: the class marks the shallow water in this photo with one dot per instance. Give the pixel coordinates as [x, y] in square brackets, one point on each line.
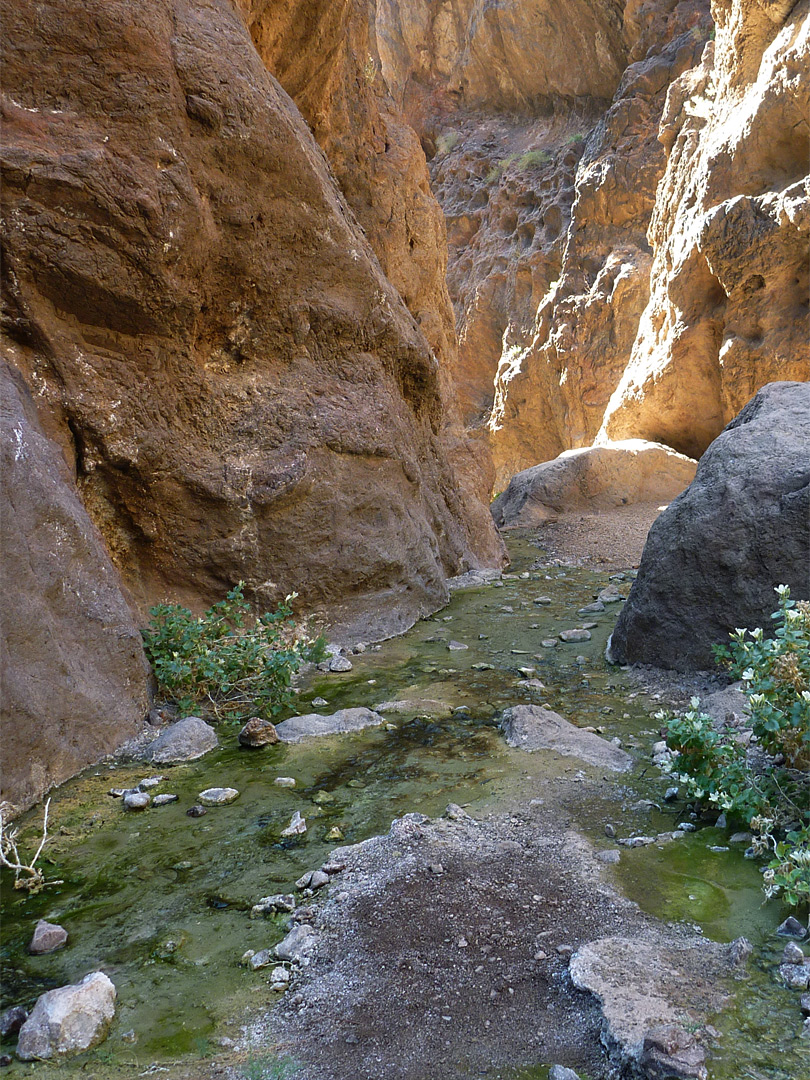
[160, 901]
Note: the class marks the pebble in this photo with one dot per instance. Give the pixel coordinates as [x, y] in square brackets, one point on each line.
[436, 868]
[257, 733]
[149, 782]
[686, 826]
[48, 937]
[323, 798]
[793, 954]
[314, 879]
[456, 646]
[334, 834]
[136, 800]
[565, 950]
[271, 905]
[340, 664]
[610, 830]
[483, 667]
[671, 794]
[589, 625]
[218, 796]
[297, 825]
[286, 781]
[319, 702]
[163, 800]
[261, 959]
[196, 811]
[589, 609]
[549, 643]
[544, 600]
[578, 634]
[279, 978]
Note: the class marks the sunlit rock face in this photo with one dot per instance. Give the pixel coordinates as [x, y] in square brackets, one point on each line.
[728, 309]
[239, 390]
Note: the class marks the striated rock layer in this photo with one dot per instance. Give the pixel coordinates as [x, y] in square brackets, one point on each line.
[239, 389]
[73, 675]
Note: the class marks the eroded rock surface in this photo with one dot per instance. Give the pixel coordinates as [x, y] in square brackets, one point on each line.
[241, 391]
[593, 478]
[714, 556]
[531, 727]
[74, 674]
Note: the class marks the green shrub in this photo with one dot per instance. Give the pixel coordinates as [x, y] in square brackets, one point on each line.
[446, 141]
[533, 158]
[574, 140]
[233, 663]
[769, 788]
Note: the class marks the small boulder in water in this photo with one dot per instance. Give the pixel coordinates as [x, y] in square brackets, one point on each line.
[258, 732]
[48, 937]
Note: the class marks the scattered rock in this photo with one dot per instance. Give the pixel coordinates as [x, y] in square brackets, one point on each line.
[670, 1052]
[334, 834]
[543, 601]
[298, 944]
[610, 595]
[671, 794]
[739, 950]
[340, 664]
[271, 905]
[297, 826]
[610, 830]
[740, 838]
[68, 1020]
[575, 635]
[796, 976]
[164, 800]
[590, 609]
[473, 579]
[258, 732]
[610, 857]
[560, 1072]
[319, 702]
[11, 1020]
[457, 646]
[285, 781]
[263, 958]
[791, 927]
[804, 1004]
[218, 796]
[186, 740]
[150, 782]
[417, 706]
[532, 727]
[314, 879]
[196, 811]
[136, 800]
[279, 978]
[793, 954]
[313, 725]
[549, 643]
[48, 937]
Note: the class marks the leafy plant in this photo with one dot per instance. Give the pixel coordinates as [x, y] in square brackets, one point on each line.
[238, 664]
[766, 784]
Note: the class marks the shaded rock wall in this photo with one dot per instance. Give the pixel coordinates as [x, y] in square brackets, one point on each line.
[209, 335]
[729, 291]
[73, 675]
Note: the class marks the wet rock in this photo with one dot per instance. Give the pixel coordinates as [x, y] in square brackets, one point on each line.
[340, 664]
[218, 796]
[164, 800]
[272, 905]
[257, 733]
[796, 976]
[804, 1004]
[793, 954]
[136, 800]
[418, 706]
[671, 1053]
[578, 634]
[319, 702]
[457, 646]
[68, 1020]
[6, 1060]
[591, 609]
[334, 834]
[263, 958]
[549, 643]
[333, 867]
[671, 794]
[196, 811]
[473, 579]
[543, 601]
[48, 937]
[739, 950]
[791, 927]
[314, 879]
[285, 781]
[279, 978]
[610, 830]
[610, 595]
[297, 826]
[532, 727]
[313, 725]
[186, 740]
[150, 782]
[740, 838]
[298, 944]
[560, 1072]
[11, 1020]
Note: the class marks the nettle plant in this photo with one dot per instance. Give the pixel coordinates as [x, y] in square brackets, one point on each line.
[233, 663]
[764, 782]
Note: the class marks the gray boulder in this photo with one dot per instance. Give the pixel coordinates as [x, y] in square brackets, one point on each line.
[593, 478]
[713, 558]
[531, 727]
[186, 740]
[68, 1020]
[314, 724]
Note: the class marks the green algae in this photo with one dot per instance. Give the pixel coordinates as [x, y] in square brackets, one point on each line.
[161, 901]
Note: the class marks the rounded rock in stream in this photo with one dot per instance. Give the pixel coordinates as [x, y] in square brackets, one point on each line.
[218, 796]
[68, 1020]
[258, 732]
[136, 800]
[48, 937]
[297, 826]
[11, 1020]
[578, 634]
[186, 740]
[196, 811]
[340, 664]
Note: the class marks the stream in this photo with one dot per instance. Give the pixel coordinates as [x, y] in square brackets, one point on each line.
[161, 902]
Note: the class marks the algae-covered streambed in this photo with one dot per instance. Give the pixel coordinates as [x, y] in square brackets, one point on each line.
[161, 901]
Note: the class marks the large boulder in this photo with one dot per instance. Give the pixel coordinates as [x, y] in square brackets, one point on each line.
[72, 667]
[69, 1020]
[713, 558]
[313, 725]
[532, 727]
[593, 478]
[187, 740]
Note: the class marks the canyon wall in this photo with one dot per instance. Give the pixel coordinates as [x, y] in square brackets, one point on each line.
[207, 332]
